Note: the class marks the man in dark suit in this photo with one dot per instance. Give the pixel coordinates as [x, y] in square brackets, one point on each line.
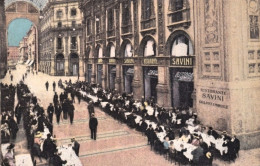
[71, 112]
[90, 109]
[93, 123]
[75, 146]
[213, 133]
[50, 111]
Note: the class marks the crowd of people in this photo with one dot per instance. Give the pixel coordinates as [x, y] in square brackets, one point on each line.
[164, 129]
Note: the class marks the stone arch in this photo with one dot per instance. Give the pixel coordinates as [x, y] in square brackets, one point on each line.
[22, 9]
[110, 46]
[123, 48]
[97, 51]
[172, 37]
[143, 44]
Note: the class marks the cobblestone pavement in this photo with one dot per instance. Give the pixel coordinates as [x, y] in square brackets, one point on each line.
[116, 144]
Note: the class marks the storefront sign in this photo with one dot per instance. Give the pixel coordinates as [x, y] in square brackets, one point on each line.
[100, 61]
[111, 61]
[150, 61]
[214, 97]
[182, 61]
[129, 61]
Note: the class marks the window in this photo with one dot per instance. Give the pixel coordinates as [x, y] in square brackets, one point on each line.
[182, 46]
[97, 24]
[179, 11]
[73, 42]
[88, 27]
[110, 19]
[254, 27]
[150, 48]
[59, 44]
[147, 9]
[126, 14]
[59, 24]
[59, 14]
[73, 12]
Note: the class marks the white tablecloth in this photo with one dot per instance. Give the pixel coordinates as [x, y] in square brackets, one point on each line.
[161, 136]
[4, 148]
[219, 146]
[138, 119]
[152, 123]
[190, 148]
[150, 110]
[23, 160]
[68, 154]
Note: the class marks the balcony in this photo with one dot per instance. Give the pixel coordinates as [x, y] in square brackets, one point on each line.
[179, 18]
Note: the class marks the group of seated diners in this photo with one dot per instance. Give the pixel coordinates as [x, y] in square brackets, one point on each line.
[176, 133]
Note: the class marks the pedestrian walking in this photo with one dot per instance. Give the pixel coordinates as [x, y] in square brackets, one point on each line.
[11, 77]
[47, 85]
[50, 112]
[93, 123]
[58, 111]
[71, 112]
[72, 94]
[23, 77]
[54, 86]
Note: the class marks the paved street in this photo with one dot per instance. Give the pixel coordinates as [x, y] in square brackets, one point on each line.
[116, 144]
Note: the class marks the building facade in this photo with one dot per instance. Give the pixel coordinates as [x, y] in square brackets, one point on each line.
[13, 54]
[182, 54]
[23, 49]
[3, 44]
[61, 38]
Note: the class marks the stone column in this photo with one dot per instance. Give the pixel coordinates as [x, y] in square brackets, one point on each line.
[66, 56]
[138, 78]
[163, 86]
[105, 78]
[118, 77]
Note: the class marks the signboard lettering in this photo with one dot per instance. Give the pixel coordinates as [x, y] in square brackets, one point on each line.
[214, 97]
[129, 61]
[100, 60]
[111, 61]
[150, 61]
[182, 61]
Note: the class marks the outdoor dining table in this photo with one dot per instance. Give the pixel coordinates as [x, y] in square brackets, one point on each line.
[68, 154]
[23, 159]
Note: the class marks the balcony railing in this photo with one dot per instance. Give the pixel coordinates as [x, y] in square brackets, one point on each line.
[148, 23]
[179, 18]
[126, 29]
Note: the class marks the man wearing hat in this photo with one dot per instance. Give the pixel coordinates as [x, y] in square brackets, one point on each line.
[50, 111]
[56, 160]
[75, 146]
[91, 108]
[93, 123]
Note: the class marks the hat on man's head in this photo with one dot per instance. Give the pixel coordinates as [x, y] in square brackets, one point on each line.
[210, 128]
[92, 115]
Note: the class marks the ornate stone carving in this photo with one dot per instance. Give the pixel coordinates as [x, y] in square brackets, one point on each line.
[211, 19]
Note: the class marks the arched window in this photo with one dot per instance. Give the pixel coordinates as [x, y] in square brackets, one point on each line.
[112, 52]
[128, 50]
[150, 48]
[181, 46]
[147, 9]
[100, 52]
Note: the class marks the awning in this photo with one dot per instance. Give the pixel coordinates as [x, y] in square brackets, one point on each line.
[30, 64]
[130, 71]
[27, 62]
[153, 73]
[113, 70]
[184, 76]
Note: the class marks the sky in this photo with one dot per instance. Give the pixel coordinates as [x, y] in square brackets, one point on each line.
[17, 29]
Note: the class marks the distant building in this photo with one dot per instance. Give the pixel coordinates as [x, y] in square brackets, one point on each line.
[13, 54]
[23, 49]
[61, 38]
[32, 48]
[3, 44]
